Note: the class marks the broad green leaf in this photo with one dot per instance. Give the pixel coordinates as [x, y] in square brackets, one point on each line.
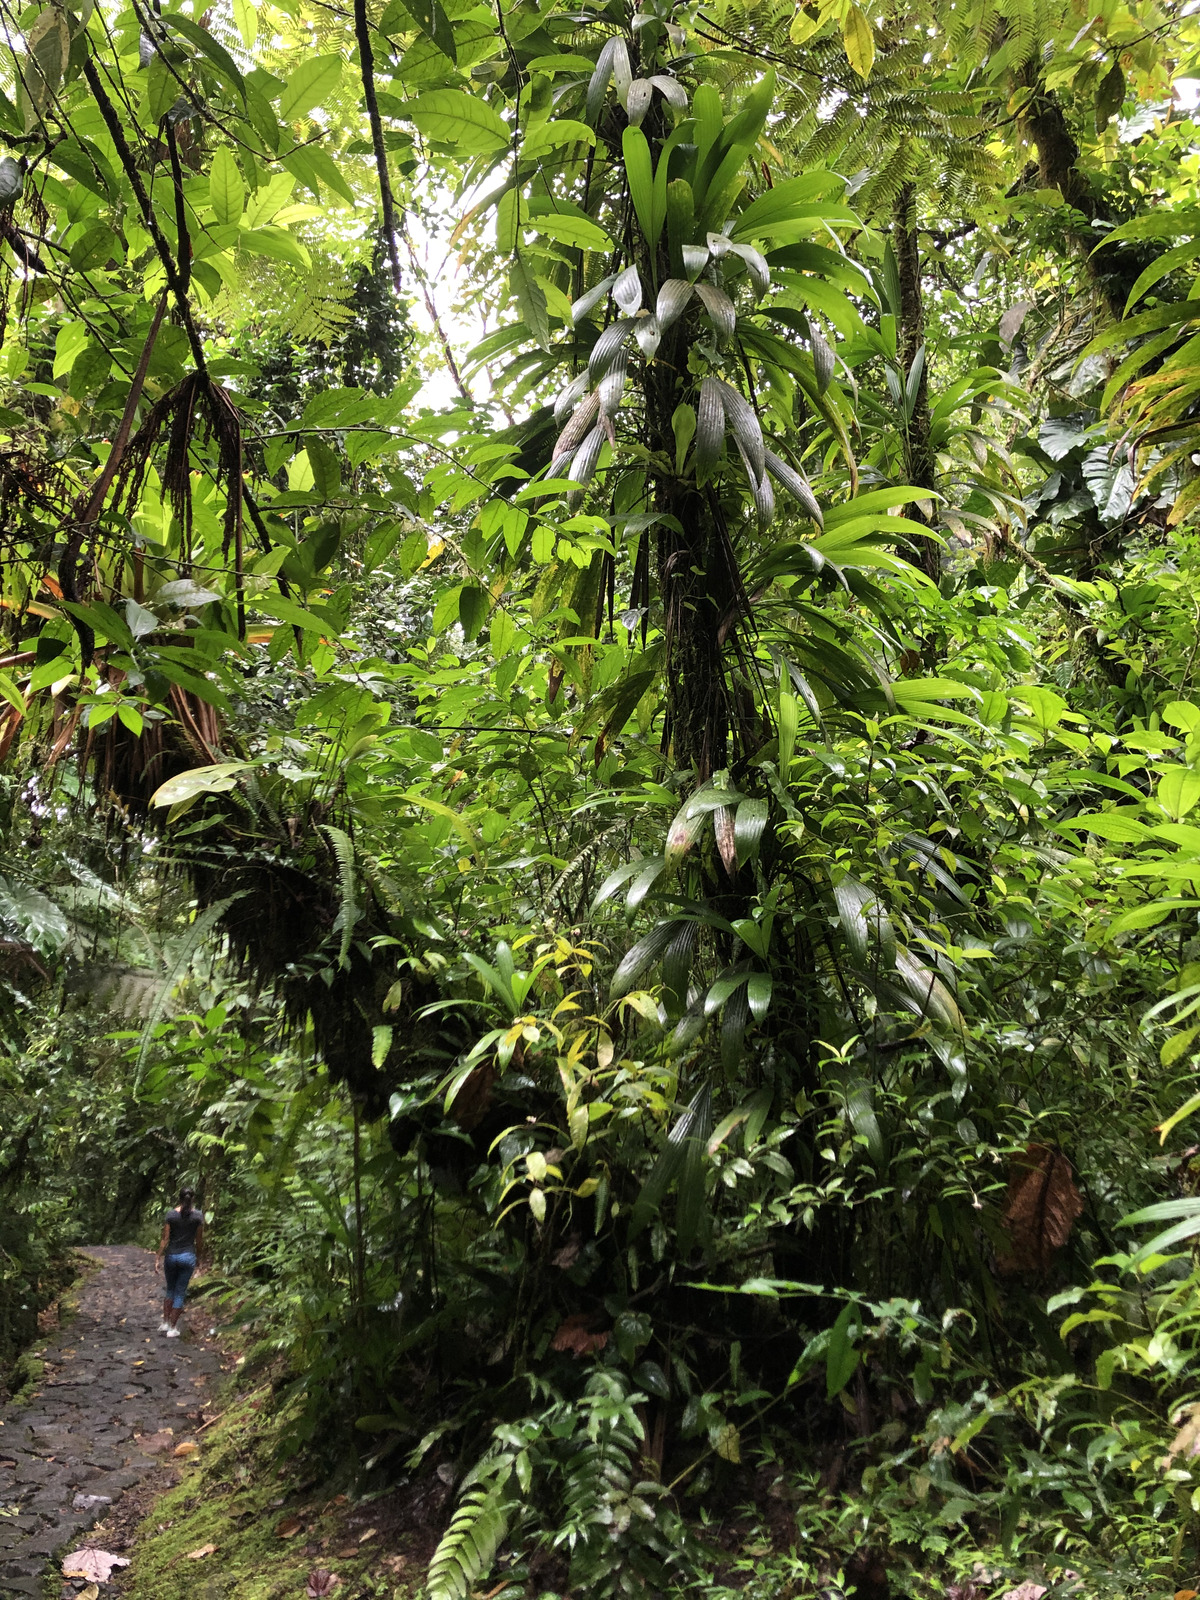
[788, 714]
[284, 610]
[314, 166]
[466, 122]
[1178, 790]
[33, 917]
[1182, 714]
[639, 174]
[311, 84]
[216, 779]
[576, 231]
[245, 16]
[553, 135]
[1120, 826]
[1044, 705]
[208, 46]
[531, 300]
[1147, 916]
[430, 18]
[459, 823]
[276, 243]
[226, 191]
[473, 606]
[841, 1357]
[326, 468]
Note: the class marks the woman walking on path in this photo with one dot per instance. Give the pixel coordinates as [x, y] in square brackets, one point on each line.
[178, 1251]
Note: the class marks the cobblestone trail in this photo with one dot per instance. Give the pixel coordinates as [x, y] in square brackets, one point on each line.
[111, 1383]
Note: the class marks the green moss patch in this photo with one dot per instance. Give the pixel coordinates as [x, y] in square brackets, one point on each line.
[270, 1527]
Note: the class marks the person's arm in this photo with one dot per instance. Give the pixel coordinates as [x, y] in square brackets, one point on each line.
[200, 1247]
[162, 1247]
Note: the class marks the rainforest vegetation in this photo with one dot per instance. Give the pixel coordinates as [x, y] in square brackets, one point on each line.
[600, 743]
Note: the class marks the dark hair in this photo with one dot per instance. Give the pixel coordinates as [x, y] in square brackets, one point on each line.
[186, 1196]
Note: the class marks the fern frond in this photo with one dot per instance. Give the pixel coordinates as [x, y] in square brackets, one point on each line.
[350, 911]
[468, 1547]
[190, 943]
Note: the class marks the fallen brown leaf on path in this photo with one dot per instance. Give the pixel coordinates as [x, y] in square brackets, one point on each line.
[153, 1444]
[90, 1592]
[187, 1448]
[320, 1583]
[94, 1565]
[289, 1527]
[370, 1534]
[204, 1550]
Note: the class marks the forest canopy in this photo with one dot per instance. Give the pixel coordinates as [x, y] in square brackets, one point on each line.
[600, 744]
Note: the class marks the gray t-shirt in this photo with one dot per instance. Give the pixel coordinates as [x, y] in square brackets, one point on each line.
[183, 1231]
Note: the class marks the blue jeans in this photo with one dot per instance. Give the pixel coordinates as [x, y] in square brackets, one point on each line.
[178, 1269]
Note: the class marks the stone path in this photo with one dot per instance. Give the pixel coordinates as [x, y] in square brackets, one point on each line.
[111, 1384]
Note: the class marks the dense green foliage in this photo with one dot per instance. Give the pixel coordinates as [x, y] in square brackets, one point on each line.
[624, 803]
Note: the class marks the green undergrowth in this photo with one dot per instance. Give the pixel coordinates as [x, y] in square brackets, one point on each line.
[271, 1526]
[62, 1280]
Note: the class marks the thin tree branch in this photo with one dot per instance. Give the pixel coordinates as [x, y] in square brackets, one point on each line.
[366, 63]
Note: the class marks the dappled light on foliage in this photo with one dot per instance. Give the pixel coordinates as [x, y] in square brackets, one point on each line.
[600, 746]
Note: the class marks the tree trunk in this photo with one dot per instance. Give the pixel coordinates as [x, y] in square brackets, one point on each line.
[920, 466]
[1112, 273]
[694, 586]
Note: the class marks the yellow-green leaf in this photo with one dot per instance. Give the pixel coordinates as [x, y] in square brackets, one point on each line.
[463, 121]
[859, 41]
[553, 135]
[310, 85]
[246, 17]
[226, 191]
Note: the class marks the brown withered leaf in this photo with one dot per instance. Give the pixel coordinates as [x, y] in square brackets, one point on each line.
[94, 1565]
[726, 840]
[153, 1444]
[1186, 1442]
[204, 1550]
[569, 1254]
[1043, 1204]
[473, 1099]
[320, 1583]
[187, 1448]
[574, 1334]
[288, 1528]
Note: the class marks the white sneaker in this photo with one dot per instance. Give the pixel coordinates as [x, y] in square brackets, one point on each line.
[173, 1333]
[164, 1326]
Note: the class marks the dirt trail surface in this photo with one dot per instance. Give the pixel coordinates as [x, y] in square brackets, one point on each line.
[116, 1399]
